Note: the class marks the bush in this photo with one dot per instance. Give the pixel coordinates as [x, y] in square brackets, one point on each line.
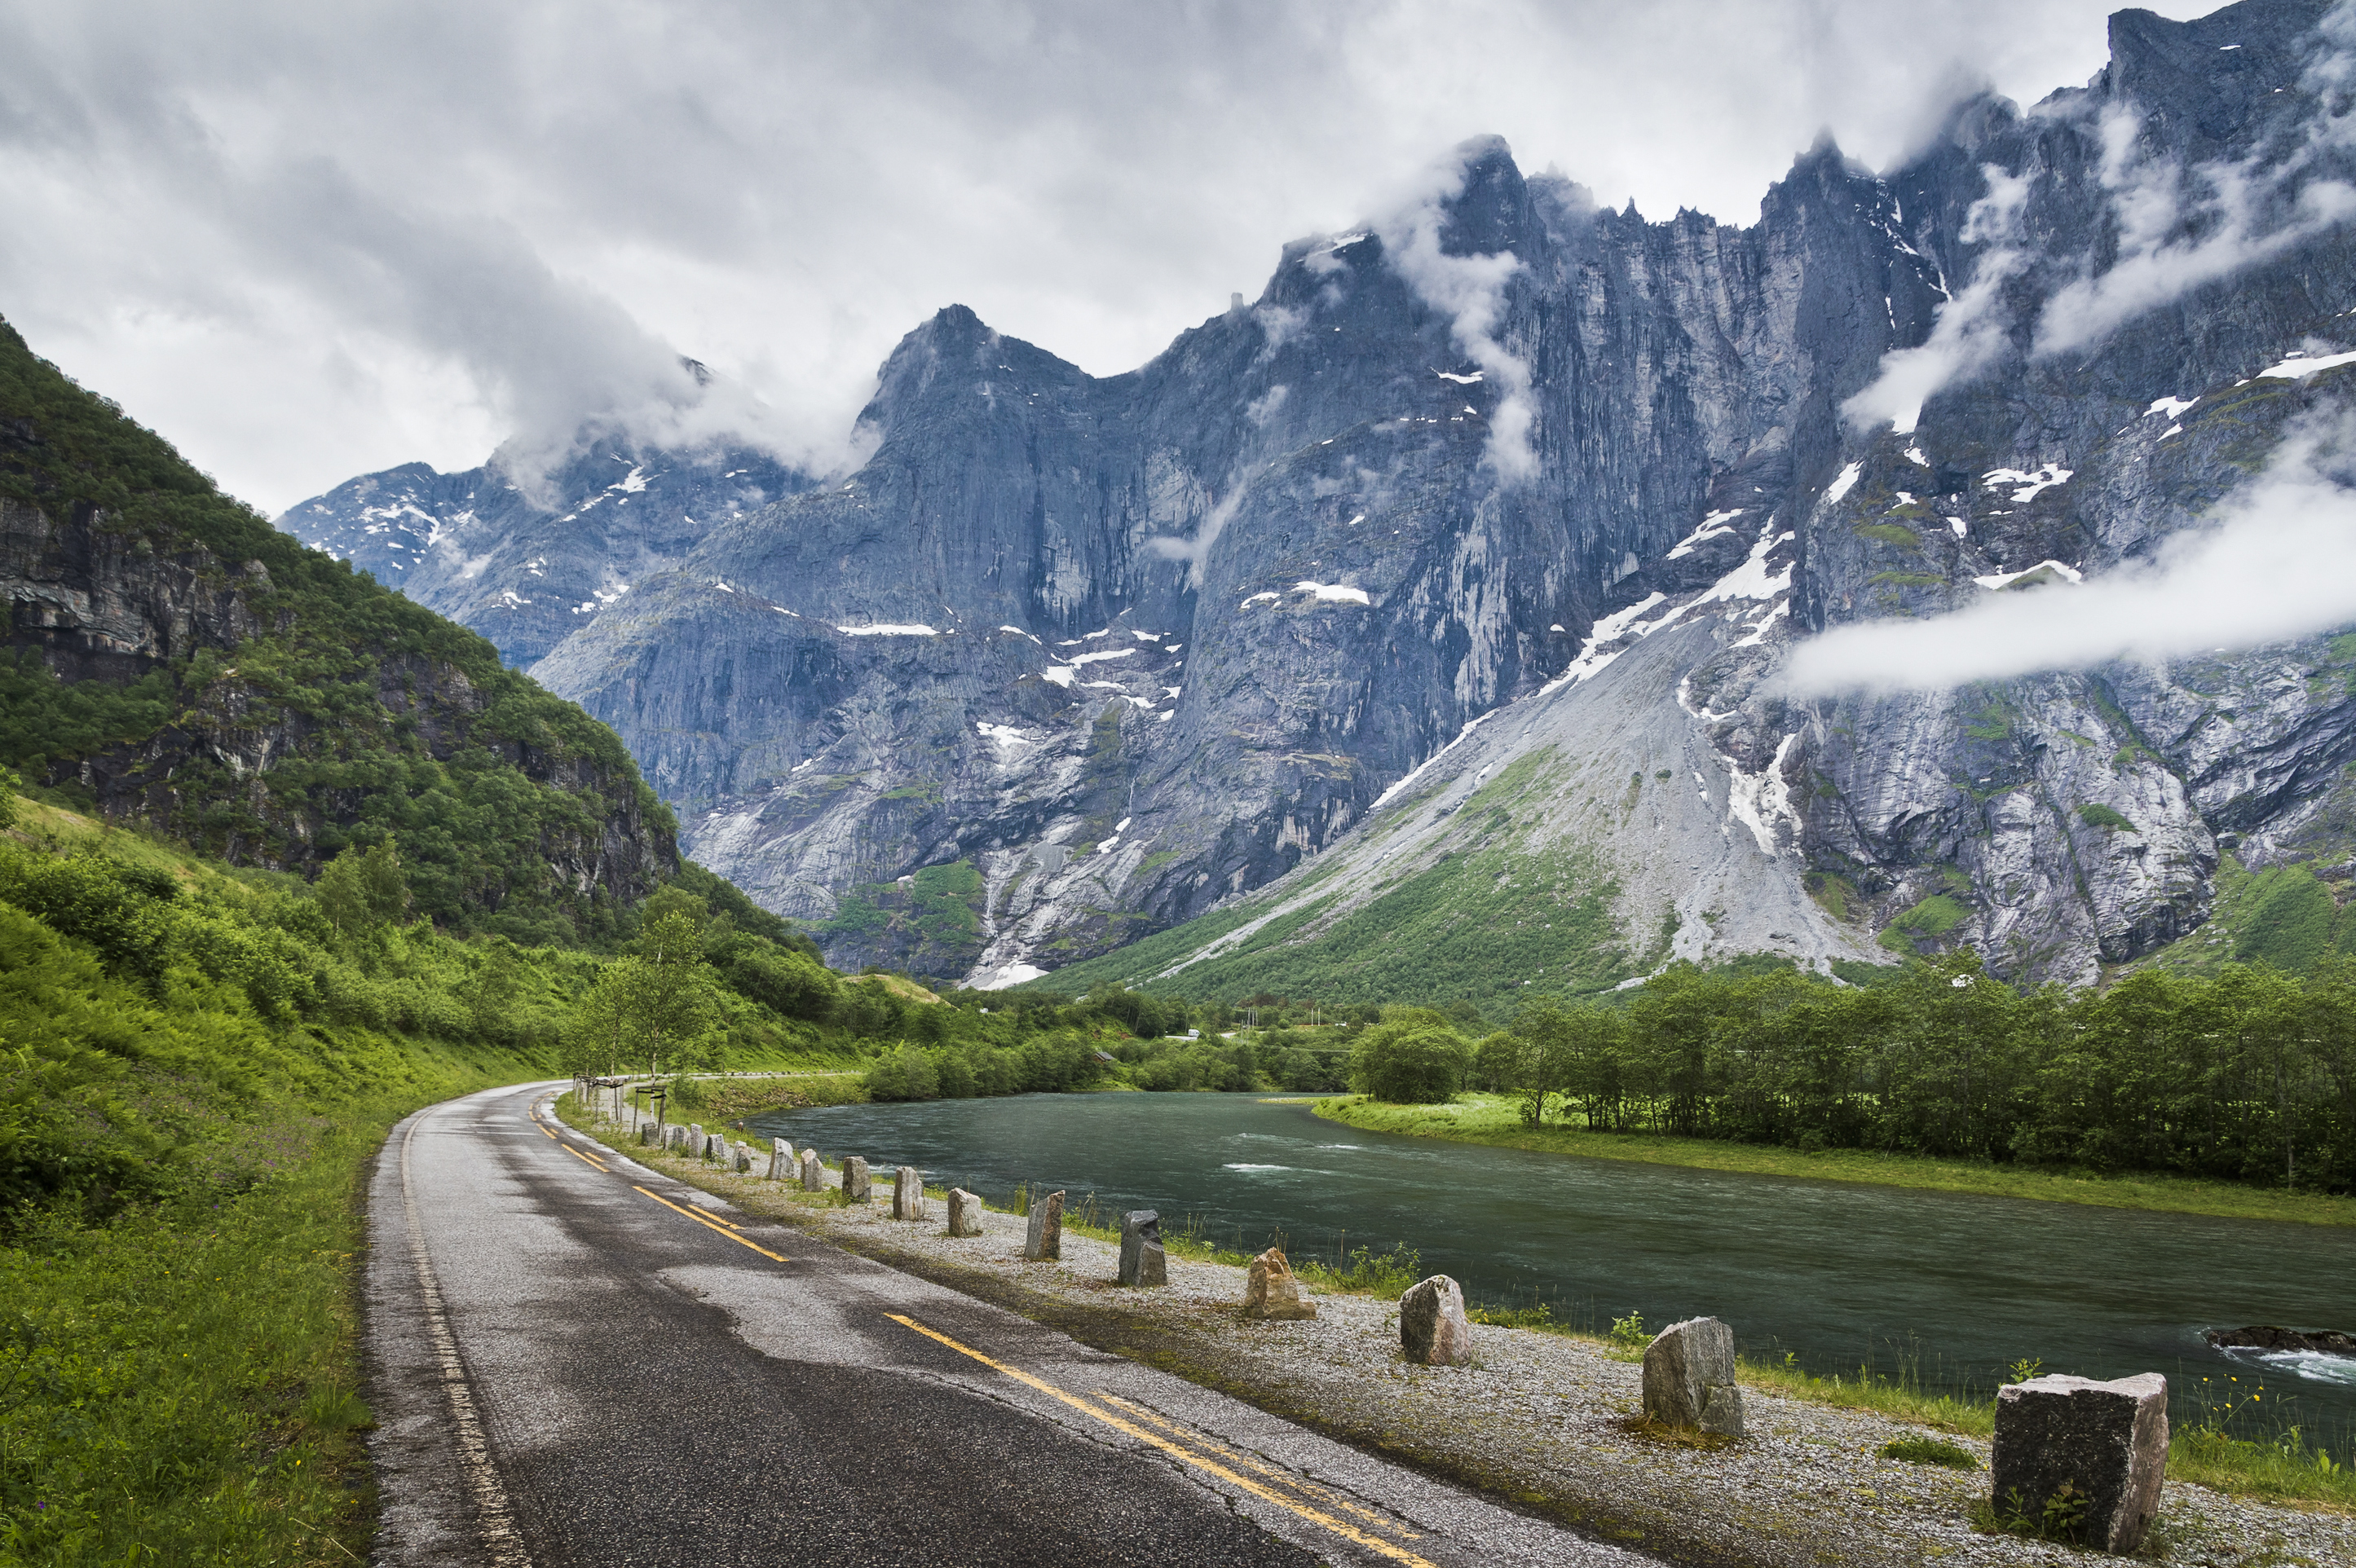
[906, 1073]
[1418, 1060]
[796, 986]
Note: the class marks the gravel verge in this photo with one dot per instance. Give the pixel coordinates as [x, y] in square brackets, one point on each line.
[1540, 1419]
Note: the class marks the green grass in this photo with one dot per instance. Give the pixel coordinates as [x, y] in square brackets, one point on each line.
[1931, 1451]
[2283, 915]
[1495, 1119]
[182, 1384]
[1933, 917]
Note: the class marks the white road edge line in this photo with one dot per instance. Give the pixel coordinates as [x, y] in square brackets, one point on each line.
[493, 1515]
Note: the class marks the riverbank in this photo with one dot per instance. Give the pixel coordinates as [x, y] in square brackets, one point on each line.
[1542, 1419]
[1495, 1120]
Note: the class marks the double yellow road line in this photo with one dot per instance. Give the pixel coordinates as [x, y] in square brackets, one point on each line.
[709, 1221]
[1302, 1498]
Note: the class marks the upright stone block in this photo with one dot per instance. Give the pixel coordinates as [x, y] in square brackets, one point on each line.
[2107, 1443]
[715, 1148]
[965, 1214]
[907, 1193]
[1271, 1290]
[743, 1161]
[813, 1172]
[781, 1160]
[1043, 1242]
[1689, 1377]
[1142, 1261]
[1433, 1331]
[856, 1187]
[677, 1143]
[648, 1134]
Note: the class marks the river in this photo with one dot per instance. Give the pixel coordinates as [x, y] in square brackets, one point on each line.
[1835, 1272]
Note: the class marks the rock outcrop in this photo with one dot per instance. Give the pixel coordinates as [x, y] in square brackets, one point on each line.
[527, 564]
[170, 659]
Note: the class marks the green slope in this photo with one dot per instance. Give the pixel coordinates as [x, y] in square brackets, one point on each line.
[369, 716]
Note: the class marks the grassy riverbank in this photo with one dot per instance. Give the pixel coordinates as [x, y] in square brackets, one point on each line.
[1495, 1120]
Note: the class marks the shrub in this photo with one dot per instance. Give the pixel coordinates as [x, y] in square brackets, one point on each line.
[1931, 1451]
[906, 1073]
[1417, 1061]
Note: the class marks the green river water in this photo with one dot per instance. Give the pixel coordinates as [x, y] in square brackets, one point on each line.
[1836, 1272]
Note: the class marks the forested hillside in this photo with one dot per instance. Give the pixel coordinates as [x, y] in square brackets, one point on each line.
[172, 658]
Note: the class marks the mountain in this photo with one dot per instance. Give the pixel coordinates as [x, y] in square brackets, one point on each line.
[172, 660]
[1435, 600]
[526, 565]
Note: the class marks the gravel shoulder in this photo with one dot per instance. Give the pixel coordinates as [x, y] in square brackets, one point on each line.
[1540, 1419]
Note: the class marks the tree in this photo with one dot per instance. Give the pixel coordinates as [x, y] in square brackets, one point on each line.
[906, 1073]
[1417, 1061]
[496, 988]
[360, 889]
[597, 1032]
[659, 1000]
[1532, 1059]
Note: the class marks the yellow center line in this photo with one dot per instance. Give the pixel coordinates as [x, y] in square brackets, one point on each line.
[712, 1225]
[1281, 1477]
[587, 1160]
[1342, 1528]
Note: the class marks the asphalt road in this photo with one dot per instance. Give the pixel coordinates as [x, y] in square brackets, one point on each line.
[576, 1360]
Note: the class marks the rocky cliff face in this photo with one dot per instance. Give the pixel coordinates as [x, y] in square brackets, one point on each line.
[169, 658]
[1507, 486]
[526, 565]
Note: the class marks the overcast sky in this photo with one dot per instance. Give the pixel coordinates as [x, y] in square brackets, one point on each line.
[308, 240]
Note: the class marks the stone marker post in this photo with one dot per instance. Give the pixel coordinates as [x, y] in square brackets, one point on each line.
[678, 1139]
[743, 1163]
[1434, 1331]
[781, 1160]
[1273, 1291]
[1142, 1261]
[648, 1134]
[1043, 1242]
[855, 1186]
[2106, 1443]
[695, 1140]
[813, 1172]
[907, 1193]
[965, 1214]
[1689, 1377]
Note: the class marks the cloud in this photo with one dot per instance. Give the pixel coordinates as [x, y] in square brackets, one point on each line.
[1970, 330]
[2177, 232]
[2173, 230]
[782, 190]
[1469, 290]
[2275, 563]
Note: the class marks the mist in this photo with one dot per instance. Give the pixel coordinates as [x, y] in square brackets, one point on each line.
[2275, 563]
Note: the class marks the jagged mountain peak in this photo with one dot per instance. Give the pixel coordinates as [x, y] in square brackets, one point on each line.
[1071, 658]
